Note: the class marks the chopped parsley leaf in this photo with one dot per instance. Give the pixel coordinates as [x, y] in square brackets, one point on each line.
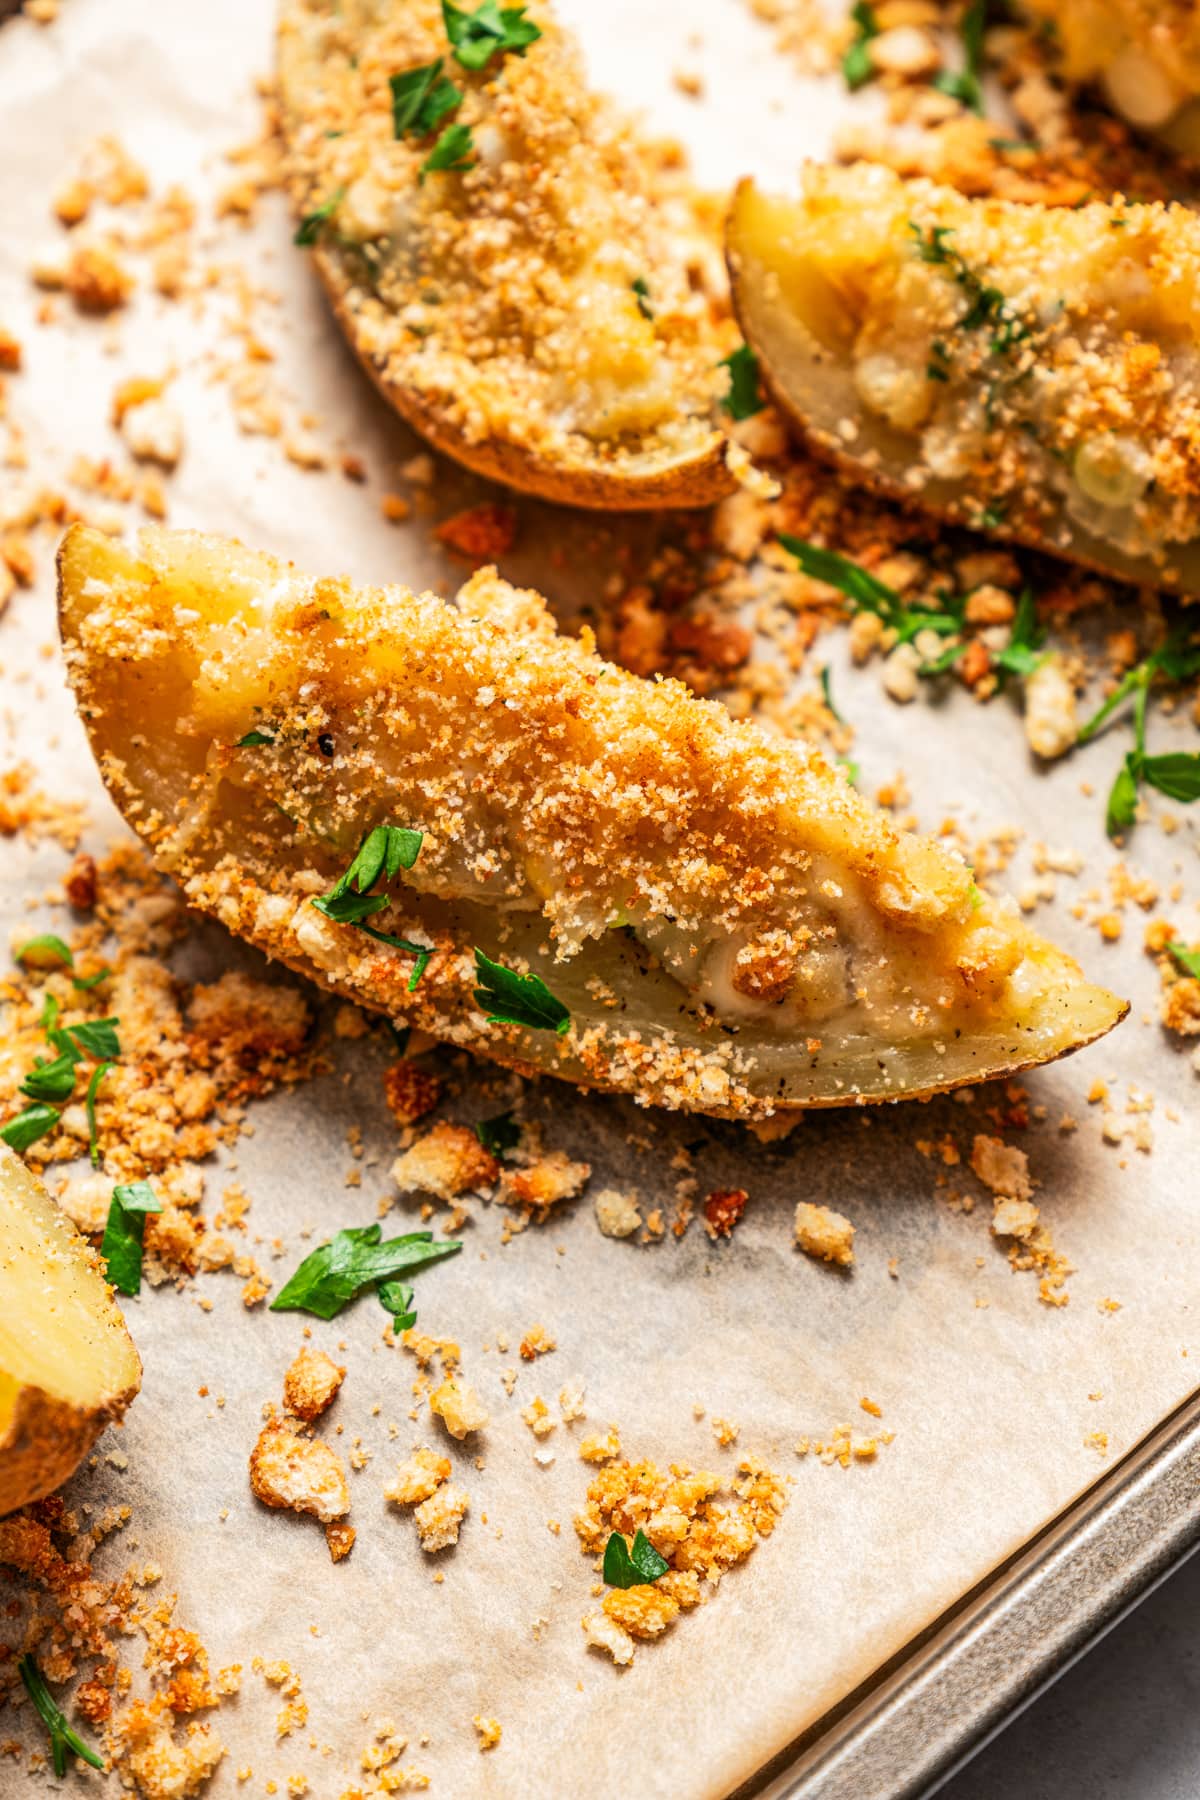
[1023, 653]
[313, 223]
[383, 852]
[62, 1738]
[52, 1080]
[827, 691]
[43, 952]
[253, 739]
[93, 1088]
[512, 999]
[48, 1018]
[489, 31]
[1188, 960]
[90, 981]
[635, 1565]
[454, 153]
[335, 1273]
[121, 1246]
[987, 305]
[1176, 774]
[857, 67]
[965, 84]
[642, 291]
[97, 1037]
[867, 593]
[28, 1126]
[1121, 809]
[421, 98]
[744, 398]
[499, 1134]
[396, 1297]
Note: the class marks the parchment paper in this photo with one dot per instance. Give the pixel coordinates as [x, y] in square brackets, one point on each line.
[989, 1404]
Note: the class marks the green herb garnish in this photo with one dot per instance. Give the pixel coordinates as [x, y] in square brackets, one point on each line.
[98, 1037]
[396, 1297]
[121, 1246]
[383, 853]
[93, 1088]
[867, 593]
[62, 1738]
[499, 1134]
[489, 31]
[253, 740]
[965, 84]
[453, 153]
[1023, 653]
[744, 398]
[90, 981]
[43, 952]
[627, 1566]
[52, 1080]
[1188, 960]
[333, 1274]
[857, 67]
[421, 98]
[1177, 773]
[987, 305]
[512, 999]
[48, 1017]
[313, 223]
[642, 291]
[28, 1126]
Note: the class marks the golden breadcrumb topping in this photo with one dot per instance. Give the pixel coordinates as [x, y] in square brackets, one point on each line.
[824, 1233]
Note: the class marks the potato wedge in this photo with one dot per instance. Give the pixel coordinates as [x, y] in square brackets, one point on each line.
[1033, 371]
[536, 315]
[716, 919]
[1144, 55]
[68, 1366]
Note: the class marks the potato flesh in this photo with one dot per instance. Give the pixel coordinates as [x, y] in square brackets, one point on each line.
[1073, 435]
[166, 705]
[60, 1331]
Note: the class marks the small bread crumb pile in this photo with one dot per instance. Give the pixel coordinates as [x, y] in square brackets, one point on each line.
[698, 1539]
[294, 1471]
[823, 1233]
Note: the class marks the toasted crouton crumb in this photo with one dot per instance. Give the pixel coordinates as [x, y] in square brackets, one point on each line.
[536, 1342]
[1014, 1218]
[311, 1383]
[643, 1611]
[410, 1092]
[538, 1418]
[154, 432]
[489, 1730]
[544, 1183]
[340, 1538]
[603, 1633]
[418, 1478]
[598, 1449]
[824, 1233]
[617, 1213]
[95, 279]
[723, 1209]
[301, 1474]
[459, 1407]
[446, 1162]
[439, 1517]
[159, 1766]
[1001, 1167]
[725, 1432]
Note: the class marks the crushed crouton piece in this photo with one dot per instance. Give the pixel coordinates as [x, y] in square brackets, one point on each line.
[459, 1407]
[439, 1517]
[570, 1402]
[418, 1478]
[340, 1538]
[482, 534]
[723, 1209]
[603, 1633]
[95, 279]
[725, 1432]
[410, 1092]
[156, 1763]
[1014, 1218]
[446, 1162]
[642, 1611]
[489, 1730]
[536, 1342]
[10, 352]
[311, 1383]
[824, 1233]
[537, 1416]
[1001, 1167]
[597, 1448]
[617, 1213]
[544, 1183]
[301, 1474]
[154, 432]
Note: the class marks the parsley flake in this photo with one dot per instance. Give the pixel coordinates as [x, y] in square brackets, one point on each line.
[313, 223]
[635, 1565]
[1188, 960]
[383, 853]
[867, 593]
[253, 740]
[28, 1126]
[453, 154]
[1177, 773]
[965, 84]
[489, 31]
[52, 1080]
[857, 67]
[512, 999]
[93, 1088]
[121, 1246]
[44, 952]
[421, 98]
[62, 1738]
[396, 1297]
[642, 291]
[335, 1273]
[499, 1134]
[1023, 653]
[88, 982]
[987, 304]
[97, 1037]
[744, 398]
